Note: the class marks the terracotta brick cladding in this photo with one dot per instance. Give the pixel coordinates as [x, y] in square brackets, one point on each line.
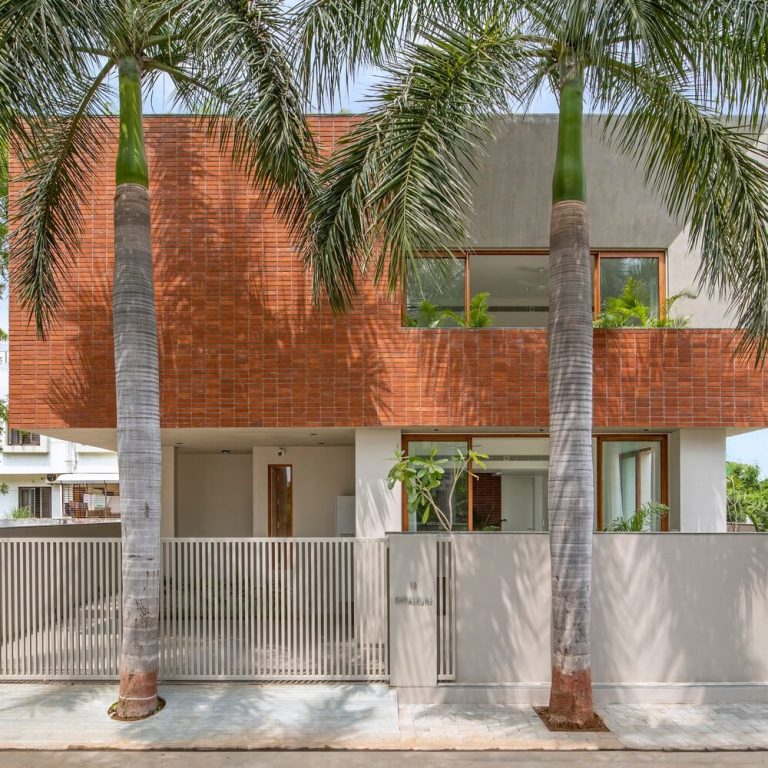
[241, 344]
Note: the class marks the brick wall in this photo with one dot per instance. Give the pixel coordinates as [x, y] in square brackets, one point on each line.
[242, 345]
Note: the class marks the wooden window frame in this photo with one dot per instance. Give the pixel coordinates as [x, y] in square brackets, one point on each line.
[660, 256]
[458, 256]
[435, 438]
[649, 437]
[598, 255]
[645, 437]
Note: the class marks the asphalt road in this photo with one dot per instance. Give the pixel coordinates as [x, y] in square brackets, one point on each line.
[361, 759]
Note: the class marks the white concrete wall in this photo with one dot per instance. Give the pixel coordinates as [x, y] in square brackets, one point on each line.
[666, 609]
[214, 494]
[697, 480]
[320, 474]
[168, 492]
[504, 218]
[682, 264]
[378, 509]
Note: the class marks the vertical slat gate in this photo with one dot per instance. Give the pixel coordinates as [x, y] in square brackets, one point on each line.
[446, 611]
[59, 609]
[245, 609]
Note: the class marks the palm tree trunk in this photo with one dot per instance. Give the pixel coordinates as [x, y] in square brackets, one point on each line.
[138, 408]
[571, 489]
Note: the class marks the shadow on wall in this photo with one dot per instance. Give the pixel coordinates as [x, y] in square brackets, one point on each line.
[502, 607]
[84, 394]
[671, 608]
[680, 608]
[241, 343]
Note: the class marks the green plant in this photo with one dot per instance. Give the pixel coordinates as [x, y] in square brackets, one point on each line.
[629, 309]
[421, 475]
[643, 519]
[21, 513]
[431, 316]
[746, 495]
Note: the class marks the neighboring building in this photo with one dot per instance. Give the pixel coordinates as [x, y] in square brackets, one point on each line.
[275, 413]
[54, 478]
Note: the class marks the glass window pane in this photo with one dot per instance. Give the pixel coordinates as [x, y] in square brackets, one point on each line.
[510, 494]
[435, 290]
[422, 520]
[517, 287]
[631, 478]
[639, 275]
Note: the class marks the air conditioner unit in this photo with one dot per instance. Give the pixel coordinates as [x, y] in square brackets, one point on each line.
[51, 478]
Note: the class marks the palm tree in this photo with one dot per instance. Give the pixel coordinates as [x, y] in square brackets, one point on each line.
[665, 75]
[226, 58]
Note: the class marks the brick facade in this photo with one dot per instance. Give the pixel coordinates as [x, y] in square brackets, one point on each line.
[242, 346]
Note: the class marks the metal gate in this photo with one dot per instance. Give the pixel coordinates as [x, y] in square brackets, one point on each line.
[247, 609]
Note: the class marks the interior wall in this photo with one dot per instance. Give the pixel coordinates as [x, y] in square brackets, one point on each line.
[214, 495]
[320, 474]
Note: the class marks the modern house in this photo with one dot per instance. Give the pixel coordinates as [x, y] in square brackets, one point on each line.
[279, 418]
[54, 478]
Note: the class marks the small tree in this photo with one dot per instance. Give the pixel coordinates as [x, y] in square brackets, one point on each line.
[421, 476]
[747, 495]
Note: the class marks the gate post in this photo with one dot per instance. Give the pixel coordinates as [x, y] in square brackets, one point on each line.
[412, 609]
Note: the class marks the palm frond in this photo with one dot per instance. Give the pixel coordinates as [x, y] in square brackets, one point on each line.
[58, 159]
[335, 38]
[238, 74]
[711, 174]
[738, 59]
[401, 178]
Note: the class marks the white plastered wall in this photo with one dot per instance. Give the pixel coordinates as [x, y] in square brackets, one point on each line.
[320, 474]
[214, 494]
[682, 264]
[168, 493]
[666, 609]
[697, 480]
[378, 509]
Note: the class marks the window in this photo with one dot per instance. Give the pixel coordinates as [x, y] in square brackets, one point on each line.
[511, 492]
[517, 286]
[22, 437]
[38, 500]
[638, 275]
[511, 290]
[91, 499]
[436, 293]
[631, 473]
[425, 520]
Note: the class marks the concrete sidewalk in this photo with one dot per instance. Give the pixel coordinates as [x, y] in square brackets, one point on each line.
[247, 716]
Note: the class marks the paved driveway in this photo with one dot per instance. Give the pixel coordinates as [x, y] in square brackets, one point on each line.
[368, 717]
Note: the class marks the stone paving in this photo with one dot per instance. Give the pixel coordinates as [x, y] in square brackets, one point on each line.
[247, 716]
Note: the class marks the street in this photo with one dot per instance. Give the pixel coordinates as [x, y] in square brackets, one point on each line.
[364, 759]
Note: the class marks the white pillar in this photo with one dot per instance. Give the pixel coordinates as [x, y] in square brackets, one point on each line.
[378, 509]
[168, 493]
[412, 611]
[697, 479]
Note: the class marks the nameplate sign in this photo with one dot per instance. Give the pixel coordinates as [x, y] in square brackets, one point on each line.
[414, 600]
